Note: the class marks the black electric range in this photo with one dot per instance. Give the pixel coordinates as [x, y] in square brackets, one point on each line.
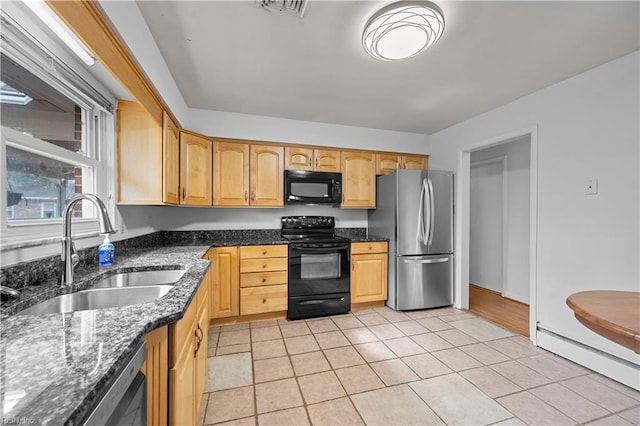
[319, 267]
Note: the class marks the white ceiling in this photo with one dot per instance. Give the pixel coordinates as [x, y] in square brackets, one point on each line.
[233, 56]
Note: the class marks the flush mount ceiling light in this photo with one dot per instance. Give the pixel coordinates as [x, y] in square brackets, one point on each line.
[402, 30]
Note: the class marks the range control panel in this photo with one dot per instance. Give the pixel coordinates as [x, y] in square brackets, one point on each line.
[308, 222]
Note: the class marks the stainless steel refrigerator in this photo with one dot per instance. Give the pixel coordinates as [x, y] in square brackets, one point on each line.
[414, 209]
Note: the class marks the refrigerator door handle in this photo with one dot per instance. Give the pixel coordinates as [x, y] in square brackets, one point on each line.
[432, 211]
[425, 215]
[439, 260]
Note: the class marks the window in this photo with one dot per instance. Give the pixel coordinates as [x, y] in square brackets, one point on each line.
[55, 140]
[47, 147]
[48, 210]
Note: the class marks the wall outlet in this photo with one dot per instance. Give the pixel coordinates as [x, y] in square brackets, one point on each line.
[591, 187]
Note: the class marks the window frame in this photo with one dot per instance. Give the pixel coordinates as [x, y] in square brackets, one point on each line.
[43, 229]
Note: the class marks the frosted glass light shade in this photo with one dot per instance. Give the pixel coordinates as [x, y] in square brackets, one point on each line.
[402, 30]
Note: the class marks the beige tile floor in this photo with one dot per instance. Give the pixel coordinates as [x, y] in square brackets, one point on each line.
[381, 367]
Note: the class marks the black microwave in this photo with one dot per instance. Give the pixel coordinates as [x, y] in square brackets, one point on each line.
[306, 187]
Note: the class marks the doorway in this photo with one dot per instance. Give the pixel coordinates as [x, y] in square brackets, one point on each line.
[497, 238]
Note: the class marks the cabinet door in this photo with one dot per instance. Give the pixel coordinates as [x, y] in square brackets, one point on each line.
[156, 370]
[230, 174]
[195, 169]
[326, 160]
[298, 158]
[139, 137]
[358, 179]
[182, 409]
[201, 356]
[266, 170]
[418, 162]
[387, 162]
[171, 161]
[368, 277]
[224, 295]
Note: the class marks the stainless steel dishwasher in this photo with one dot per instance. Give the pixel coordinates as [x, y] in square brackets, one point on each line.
[125, 403]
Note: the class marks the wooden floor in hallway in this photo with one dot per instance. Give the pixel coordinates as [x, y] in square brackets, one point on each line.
[508, 313]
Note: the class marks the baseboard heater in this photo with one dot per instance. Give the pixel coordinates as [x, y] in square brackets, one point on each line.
[614, 367]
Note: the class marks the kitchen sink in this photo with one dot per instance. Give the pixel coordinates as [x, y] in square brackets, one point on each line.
[142, 278]
[98, 298]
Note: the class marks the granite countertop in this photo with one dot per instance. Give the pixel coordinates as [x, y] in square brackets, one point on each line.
[57, 366]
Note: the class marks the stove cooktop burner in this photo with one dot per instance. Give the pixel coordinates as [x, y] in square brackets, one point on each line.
[310, 229]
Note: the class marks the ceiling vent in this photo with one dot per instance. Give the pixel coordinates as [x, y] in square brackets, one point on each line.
[296, 7]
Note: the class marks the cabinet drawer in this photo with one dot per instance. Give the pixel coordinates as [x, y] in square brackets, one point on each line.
[372, 247]
[260, 252]
[263, 278]
[263, 265]
[256, 300]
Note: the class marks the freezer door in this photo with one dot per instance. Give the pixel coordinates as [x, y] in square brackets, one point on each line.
[423, 282]
[439, 212]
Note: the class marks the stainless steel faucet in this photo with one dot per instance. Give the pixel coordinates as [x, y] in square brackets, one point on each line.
[69, 257]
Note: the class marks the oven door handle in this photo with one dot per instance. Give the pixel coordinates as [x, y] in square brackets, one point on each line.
[324, 248]
[320, 301]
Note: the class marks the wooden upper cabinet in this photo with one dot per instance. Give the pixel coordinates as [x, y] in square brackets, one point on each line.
[171, 161]
[320, 160]
[230, 174]
[419, 162]
[266, 175]
[139, 136]
[298, 158]
[326, 160]
[387, 162]
[195, 169]
[358, 179]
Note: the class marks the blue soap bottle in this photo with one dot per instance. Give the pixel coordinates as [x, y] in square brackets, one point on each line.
[106, 252]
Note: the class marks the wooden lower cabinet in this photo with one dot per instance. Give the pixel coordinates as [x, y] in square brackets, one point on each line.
[188, 360]
[202, 352]
[224, 300]
[182, 387]
[156, 370]
[369, 272]
[263, 279]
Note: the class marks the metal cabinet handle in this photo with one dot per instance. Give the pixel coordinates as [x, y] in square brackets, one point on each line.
[184, 193]
[264, 300]
[264, 252]
[309, 162]
[253, 197]
[246, 196]
[264, 280]
[198, 339]
[264, 266]
[316, 162]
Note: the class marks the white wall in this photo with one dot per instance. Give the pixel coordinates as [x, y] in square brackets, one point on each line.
[189, 219]
[516, 238]
[588, 127]
[128, 20]
[254, 127]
